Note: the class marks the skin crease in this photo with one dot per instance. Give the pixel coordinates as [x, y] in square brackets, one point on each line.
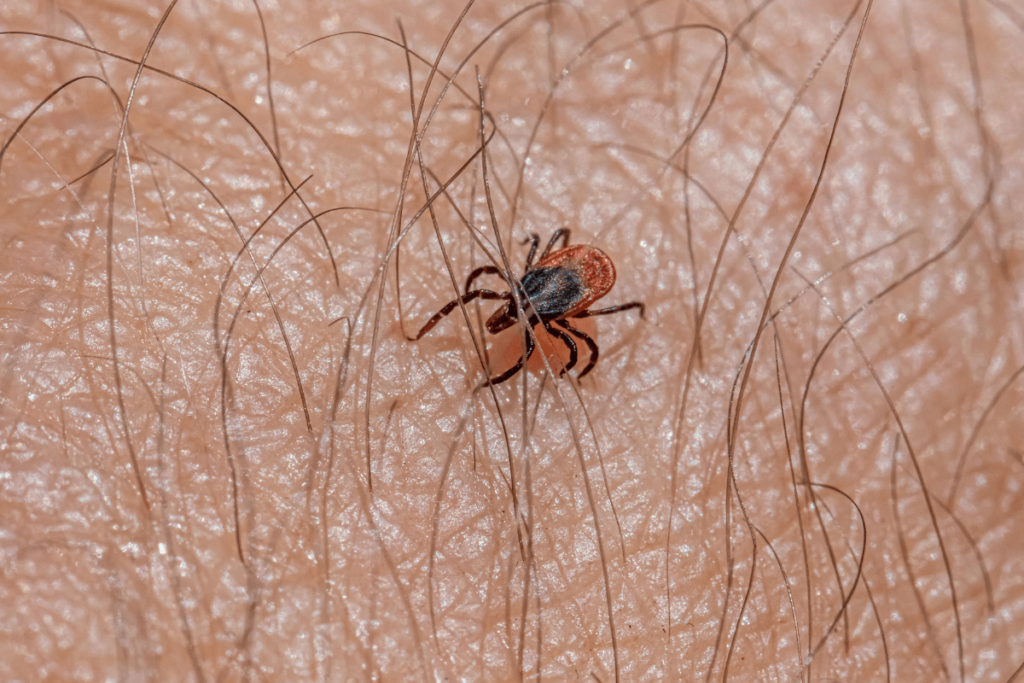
[423, 577]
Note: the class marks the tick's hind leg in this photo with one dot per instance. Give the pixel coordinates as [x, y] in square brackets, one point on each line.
[534, 240]
[569, 344]
[485, 294]
[515, 368]
[560, 234]
[588, 340]
[613, 309]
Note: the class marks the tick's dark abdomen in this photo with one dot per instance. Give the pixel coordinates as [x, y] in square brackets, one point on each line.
[554, 290]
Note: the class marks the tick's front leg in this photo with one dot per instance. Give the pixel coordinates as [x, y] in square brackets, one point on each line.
[485, 294]
[482, 270]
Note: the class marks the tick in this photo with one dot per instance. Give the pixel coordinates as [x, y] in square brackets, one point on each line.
[562, 286]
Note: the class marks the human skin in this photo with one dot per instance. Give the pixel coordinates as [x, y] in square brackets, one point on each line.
[174, 507]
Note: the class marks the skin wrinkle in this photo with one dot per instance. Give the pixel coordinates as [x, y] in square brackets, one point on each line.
[439, 574]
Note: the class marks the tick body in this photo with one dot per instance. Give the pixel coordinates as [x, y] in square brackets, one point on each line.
[563, 285]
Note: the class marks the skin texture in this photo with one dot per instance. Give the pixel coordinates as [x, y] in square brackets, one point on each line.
[187, 496]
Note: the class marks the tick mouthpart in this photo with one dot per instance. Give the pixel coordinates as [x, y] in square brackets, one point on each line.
[506, 316]
[502, 320]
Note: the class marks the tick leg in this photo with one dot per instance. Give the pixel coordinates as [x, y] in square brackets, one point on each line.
[613, 309]
[515, 368]
[591, 344]
[485, 294]
[482, 270]
[534, 239]
[569, 344]
[560, 234]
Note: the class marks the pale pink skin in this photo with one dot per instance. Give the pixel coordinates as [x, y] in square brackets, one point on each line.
[96, 586]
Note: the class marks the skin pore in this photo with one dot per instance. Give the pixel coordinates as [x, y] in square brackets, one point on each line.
[221, 459]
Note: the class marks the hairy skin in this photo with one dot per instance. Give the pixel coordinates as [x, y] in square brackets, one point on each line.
[185, 495]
